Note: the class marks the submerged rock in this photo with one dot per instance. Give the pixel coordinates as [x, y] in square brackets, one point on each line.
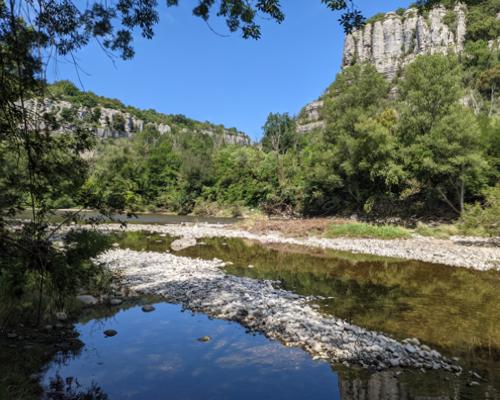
[148, 308]
[110, 333]
[183, 243]
[87, 299]
[61, 316]
[204, 339]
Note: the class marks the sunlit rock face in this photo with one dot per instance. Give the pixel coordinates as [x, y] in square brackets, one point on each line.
[112, 123]
[396, 40]
[311, 117]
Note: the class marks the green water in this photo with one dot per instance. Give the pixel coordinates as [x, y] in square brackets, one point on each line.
[454, 310]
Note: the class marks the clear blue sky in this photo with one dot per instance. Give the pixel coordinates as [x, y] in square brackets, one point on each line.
[187, 69]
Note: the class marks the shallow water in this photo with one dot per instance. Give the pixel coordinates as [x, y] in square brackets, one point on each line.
[454, 310]
[157, 356]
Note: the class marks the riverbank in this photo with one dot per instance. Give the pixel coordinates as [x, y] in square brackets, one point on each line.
[469, 252]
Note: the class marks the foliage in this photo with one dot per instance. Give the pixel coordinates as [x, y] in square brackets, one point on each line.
[420, 153]
[442, 231]
[441, 139]
[279, 133]
[363, 230]
[484, 218]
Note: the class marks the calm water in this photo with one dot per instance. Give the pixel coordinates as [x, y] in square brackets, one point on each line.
[157, 356]
[149, 218]
[452, 309]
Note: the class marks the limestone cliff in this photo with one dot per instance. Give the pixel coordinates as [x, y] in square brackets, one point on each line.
[120, 123]
[395, 40]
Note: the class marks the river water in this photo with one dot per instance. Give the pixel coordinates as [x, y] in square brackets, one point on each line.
[157, 355]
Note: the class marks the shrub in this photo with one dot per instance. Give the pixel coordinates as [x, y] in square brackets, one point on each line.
[363, 230]
[483, 219]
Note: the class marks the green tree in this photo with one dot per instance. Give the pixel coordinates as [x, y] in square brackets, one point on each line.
[279, 134]
[440, 138]
[351, 105]
[357, 90]
[430, 87]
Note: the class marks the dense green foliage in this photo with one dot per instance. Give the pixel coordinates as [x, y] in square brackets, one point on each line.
[419, 153]
[485, 218]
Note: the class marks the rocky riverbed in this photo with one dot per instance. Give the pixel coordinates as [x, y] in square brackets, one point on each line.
[202, 285]
[473, 253]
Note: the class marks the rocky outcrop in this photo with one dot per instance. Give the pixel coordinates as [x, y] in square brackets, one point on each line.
[395, 40]
[113, 123]
[392, 41]
[311, 117]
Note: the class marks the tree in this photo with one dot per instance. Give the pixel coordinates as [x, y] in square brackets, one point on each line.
[430, 86]
[440, 138]
[357, 90]
[279, 133]
[356, 96]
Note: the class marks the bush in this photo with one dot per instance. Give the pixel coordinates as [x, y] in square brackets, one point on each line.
[483, 219]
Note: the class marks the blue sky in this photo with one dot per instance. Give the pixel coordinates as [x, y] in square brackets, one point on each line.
[187, 69]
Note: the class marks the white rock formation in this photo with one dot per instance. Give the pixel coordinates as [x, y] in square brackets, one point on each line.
[395, 41]
[111, 123]
[392, 42]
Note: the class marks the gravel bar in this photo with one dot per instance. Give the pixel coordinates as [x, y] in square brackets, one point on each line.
[202, 285]
[459, 252]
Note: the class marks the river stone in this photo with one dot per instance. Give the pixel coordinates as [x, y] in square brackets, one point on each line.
[204, 339]
[61, 316]
[87, 299]
[115, 302]
[183, 243]
[148, 308]
[110, 333]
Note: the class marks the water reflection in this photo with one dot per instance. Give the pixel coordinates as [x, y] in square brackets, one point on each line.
[157, 355]
[452, 309]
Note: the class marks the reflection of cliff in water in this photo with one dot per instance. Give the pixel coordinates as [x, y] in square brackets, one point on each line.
[388, 385]
[412, 385]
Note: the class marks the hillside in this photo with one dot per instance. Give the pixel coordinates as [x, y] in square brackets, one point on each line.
[110, 118]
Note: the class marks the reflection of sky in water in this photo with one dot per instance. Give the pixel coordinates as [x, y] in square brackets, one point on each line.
[156, 356]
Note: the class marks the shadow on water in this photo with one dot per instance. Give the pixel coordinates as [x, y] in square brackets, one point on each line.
[452, 309]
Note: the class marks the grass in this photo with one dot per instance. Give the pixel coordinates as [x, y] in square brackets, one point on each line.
[443, 231]
[364, 230]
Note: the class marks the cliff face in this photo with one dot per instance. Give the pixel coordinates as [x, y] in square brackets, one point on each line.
[395, 40]
[113, 123]
[392, 41]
